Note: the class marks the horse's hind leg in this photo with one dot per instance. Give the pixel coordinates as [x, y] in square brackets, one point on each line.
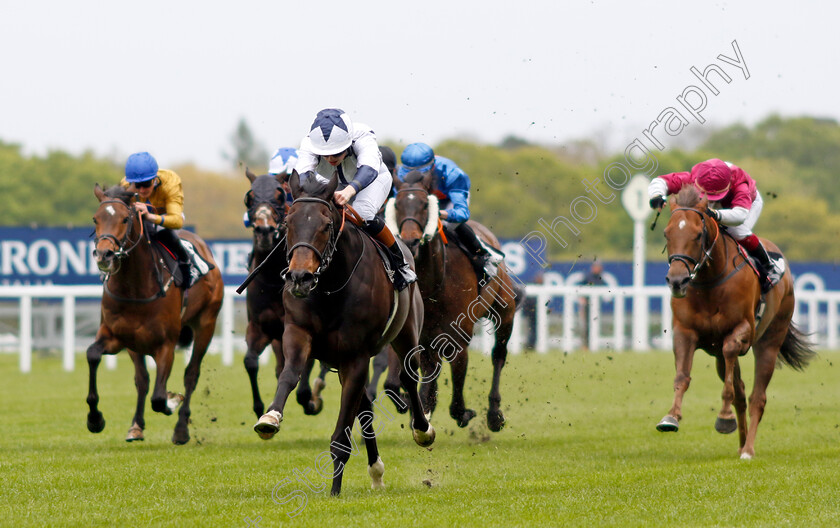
[204, 334]
[726, 422]
[495, 418]
[458, 409]
[766, 353]
[393, 384]
[380, 365]
[256, 341]
[735, 344]
[353, 375]
[141, 381]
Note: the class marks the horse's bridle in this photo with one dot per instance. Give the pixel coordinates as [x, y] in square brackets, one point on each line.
[279, 214]
[688, 260]
[121, 251]
[411, 218]
[325, 256]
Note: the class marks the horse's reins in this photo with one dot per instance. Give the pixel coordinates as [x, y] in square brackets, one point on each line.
[122, 253]
[688, 260]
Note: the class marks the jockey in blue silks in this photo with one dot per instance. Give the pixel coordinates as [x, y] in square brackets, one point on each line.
[452, 188]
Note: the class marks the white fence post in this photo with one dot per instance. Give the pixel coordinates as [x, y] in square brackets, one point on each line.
[69, 317]
[26, 333]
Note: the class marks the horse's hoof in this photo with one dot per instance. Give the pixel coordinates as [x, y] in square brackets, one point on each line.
[135, 432]
[268, 425]
[746, 456]
[376, 470]
[173, 400]
[668, 424]
[495, 421]
[96, 424]
[726, 425]
[317, 405]
[181, 436]
[424, 439]
[463, 418]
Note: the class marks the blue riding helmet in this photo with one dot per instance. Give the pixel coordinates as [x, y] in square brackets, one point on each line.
[418, 156]
[140, 167]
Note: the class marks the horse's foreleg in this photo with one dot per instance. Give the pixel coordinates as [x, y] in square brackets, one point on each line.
[304, 390]
[297, 344]
[141, 381]
[376, 468]
[685, 343]
[353, 374]
[765, 354]
[95, 420]
[735, 344]
[458, 409]
[164, 357]
[256, 341]
[495, 418]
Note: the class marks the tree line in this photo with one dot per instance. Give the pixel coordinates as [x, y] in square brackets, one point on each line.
[514, 185]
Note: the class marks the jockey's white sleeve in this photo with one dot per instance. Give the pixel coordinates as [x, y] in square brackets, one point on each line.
[734, 216]
[657, 187]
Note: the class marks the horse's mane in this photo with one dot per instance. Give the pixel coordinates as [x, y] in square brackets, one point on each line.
[688, 196]
[118, 192]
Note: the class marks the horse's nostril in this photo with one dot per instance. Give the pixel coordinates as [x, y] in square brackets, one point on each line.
[108, 254]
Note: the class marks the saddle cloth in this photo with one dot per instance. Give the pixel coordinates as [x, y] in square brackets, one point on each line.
[198, 266]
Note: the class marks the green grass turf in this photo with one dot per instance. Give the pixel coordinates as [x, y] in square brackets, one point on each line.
[579, 449]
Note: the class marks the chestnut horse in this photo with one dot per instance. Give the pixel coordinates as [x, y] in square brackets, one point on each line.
[266, 204]
[144, 311]
[715, 297]
[341, 308]
[453, 299]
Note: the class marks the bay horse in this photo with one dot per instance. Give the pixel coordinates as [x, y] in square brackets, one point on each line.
[266, 206]
[714, 298]
[341, 308]
[144, 311]
[453, 298]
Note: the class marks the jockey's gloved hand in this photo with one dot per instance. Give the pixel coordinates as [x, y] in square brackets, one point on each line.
[657, 202]
[713, 213]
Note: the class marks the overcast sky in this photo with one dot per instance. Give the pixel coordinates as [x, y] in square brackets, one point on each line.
[174, 78]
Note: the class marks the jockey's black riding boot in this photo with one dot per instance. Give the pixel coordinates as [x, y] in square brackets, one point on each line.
[403, 274]
[173, 242]
[765, 266]
[478, 255]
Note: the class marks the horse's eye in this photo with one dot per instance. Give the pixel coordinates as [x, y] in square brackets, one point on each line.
[698, 236]
[95, 221]
[125, 220]
[425, 206]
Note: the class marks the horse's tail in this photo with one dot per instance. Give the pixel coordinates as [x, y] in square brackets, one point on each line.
[796, 350]
[185, 337]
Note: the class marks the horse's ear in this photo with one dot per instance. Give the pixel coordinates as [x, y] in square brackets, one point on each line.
[98, 192]
[396, 182]
[428, 180]
[294, 184]
[704, 202]
[672, 201]
[250, 175]
[281, 178]
[329, 190]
